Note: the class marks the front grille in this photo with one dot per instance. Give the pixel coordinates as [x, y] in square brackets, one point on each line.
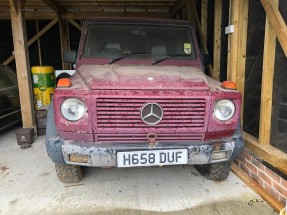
[115, 113]
[135, 138]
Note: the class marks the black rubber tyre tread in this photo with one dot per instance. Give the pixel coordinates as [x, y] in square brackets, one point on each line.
[68, 173]
[219, 171]
[203, 169]
[215, 171]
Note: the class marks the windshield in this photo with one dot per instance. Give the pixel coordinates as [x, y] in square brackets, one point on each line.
[140, 41]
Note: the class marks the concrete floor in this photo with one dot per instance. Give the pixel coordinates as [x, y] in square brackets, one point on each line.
[29, 185]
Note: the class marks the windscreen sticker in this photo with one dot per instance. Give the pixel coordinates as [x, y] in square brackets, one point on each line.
[187, 48]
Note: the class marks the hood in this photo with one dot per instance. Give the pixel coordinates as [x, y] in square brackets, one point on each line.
[119, 77]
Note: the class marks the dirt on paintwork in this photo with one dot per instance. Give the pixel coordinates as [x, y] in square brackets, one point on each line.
[217, 208]
[13, 202]
[4, 168]
[143, 77]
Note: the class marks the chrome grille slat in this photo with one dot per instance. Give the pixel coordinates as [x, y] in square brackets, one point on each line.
[142, 138]
[123, 113]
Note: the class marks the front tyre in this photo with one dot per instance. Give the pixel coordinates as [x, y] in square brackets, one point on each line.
[68, 173]
[215, 171]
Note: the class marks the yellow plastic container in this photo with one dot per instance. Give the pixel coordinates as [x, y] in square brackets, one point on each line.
[43, 85]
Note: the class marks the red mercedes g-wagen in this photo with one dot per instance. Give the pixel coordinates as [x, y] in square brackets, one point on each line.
[139, 97]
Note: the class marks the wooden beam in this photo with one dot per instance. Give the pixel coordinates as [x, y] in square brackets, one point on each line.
[277, 22]
[241, 53]
[183, 12]
[64, 40]
[180, 4]
[22, 65]
[217, 38]
[9, 60]
[86, 15]
[267, 82]
[237, 41]
[54, 5]
[33, 39]
[193, 12]
[75, 24]
[189, 16]
[39, 43]
[4, 15]
[233, 40]
[14, 5]
[204, 6]
[268, 153]
[68, 39]
[274, 203]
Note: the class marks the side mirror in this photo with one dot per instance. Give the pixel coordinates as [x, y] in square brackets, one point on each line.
[70, 56]
[206, 60]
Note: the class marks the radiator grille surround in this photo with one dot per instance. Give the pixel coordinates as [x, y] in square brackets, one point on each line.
[120, 119]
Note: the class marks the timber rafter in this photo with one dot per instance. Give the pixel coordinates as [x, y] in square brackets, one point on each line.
[54, 5]
[81, 9]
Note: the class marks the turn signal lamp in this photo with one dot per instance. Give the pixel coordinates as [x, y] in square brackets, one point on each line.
[64, 82]
[229, 85]
[218, 155]
[78, 158]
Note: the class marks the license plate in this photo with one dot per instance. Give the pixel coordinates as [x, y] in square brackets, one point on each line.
[152, 158]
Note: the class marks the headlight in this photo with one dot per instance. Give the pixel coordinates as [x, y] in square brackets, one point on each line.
[72, 109]
[224, 110]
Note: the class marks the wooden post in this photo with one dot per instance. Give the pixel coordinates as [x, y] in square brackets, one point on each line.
[237, 45]
[277, 22]
[192, 11]
[242, 46]
[180, 4]
[64, 39]
[233, 40]
[267, 82]
[39, 43]
[217, 38]
[183, 12]
[22, 64]
[189, 16]
[68, 37]
[204, 6]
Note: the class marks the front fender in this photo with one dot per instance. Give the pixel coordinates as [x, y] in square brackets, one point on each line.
[238, 142]
[53, 142]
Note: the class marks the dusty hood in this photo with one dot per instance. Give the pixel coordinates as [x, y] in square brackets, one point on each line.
[143, 77]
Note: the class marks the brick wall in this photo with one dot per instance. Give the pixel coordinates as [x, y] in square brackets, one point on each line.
[272, 182]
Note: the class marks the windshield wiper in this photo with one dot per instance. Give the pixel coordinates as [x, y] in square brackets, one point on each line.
[127, 54]
[167, 57]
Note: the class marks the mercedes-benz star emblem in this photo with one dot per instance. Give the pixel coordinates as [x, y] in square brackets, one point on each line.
[151, 113]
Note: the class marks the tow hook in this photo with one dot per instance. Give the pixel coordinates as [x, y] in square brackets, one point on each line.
[151, 137]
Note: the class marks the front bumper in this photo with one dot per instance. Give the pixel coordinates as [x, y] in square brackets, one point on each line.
[105, 154]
